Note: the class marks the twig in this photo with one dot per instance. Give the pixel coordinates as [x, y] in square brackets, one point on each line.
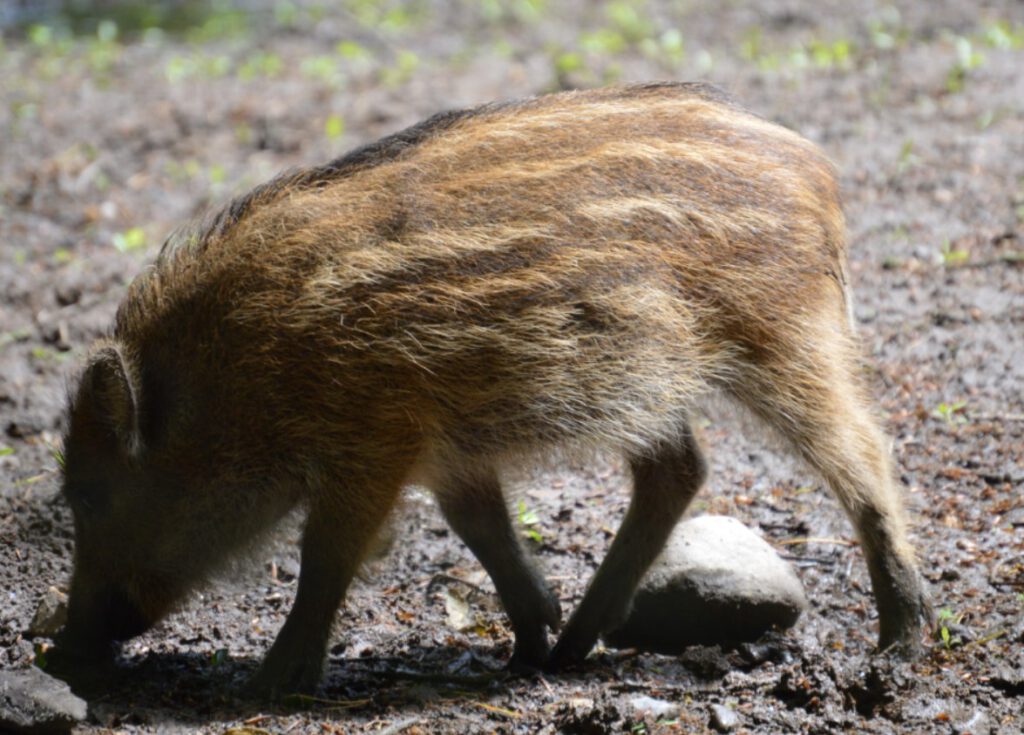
[809, 560]
[397, 727]
[987, 639]
[440, 579]
[34, 479]
[816, 540]
[495, 709]
[332, 703]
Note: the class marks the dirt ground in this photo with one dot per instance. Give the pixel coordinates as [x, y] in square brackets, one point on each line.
[113, 133]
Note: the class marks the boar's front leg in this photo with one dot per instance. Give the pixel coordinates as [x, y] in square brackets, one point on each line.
[334, 543]
[664, 482]
[475, 508]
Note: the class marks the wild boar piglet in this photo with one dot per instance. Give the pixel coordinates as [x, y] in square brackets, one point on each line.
[485, 288]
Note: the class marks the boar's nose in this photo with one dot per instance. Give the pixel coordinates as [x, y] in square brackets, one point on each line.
[97, 620]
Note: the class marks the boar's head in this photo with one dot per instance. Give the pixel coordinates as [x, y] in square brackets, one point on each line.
[124, 577]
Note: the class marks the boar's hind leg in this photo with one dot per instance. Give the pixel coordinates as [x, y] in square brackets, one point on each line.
[664, 482]
[475, 508]
[334, 542]
[811, 394]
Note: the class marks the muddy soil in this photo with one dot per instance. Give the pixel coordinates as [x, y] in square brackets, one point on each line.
[112, 134]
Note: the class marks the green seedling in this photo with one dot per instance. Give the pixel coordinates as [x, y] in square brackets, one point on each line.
[667, 48]
[181, 68]
[900, 232]
[260, 65]
[626, 18]
[25, 110]
[908, 159]
[47, 354]
[322, 68]
[967, 59]
[243, 133]
[945, 618]
[219, 657]
[567, 63]
[384, 17]
[129, 240]
[352, 51]
[334, 127]
[951, 413]
[524, 12]
[405, 65]
[672, 46]
[751, 47]
[887, 31]
[18, 335]
[44, 38]
[286, 14]
[6, 451]
[528, 520]
[224, 22]
[952, 258]
[58, 457]
[1004, 36]
[217, 174]
[40, 659]
[604, 41]
[830, 55]
[816, 54]
[182, 172]
[103, 51]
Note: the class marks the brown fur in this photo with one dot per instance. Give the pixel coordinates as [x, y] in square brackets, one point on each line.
[572, 270]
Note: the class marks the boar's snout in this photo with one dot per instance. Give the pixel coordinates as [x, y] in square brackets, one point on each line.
[100, 620]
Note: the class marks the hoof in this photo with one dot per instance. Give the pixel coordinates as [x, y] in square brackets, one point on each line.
[565, 656]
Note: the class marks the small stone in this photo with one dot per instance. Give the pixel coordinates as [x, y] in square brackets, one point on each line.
[67, 295]
[977, 722]
[715, 582]
[866, 314]
[723, 719]
[51, 613]
[658, 708]
[32, 701]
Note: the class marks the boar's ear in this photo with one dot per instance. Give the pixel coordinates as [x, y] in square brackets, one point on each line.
[107, 405]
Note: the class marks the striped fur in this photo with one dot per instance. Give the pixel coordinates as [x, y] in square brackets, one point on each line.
[492, 284]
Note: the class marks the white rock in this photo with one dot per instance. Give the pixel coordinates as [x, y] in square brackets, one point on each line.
[715, 582]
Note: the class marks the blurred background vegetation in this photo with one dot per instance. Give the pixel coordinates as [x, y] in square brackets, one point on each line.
[584, 42]
[105, 98]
